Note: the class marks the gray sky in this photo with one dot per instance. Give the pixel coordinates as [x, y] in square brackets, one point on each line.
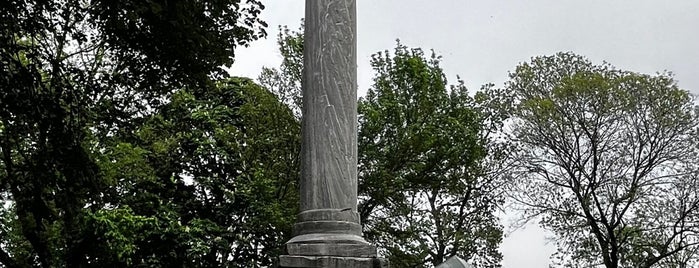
[483, 40]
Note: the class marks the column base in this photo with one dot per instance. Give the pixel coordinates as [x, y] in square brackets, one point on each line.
[330, 250]
[289, 261]
[335, 250]
[329, 238]
[324, 244]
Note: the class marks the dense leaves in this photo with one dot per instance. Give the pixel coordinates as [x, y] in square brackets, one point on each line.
[177, 40]
[427, 191]
[607, 159]
[220, 178]
[71, 78]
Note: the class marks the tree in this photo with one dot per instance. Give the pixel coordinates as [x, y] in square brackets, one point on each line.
[607, 161]
[424, 152]
[73, 73]
[426, 185]
[221, 174]
[285, 82]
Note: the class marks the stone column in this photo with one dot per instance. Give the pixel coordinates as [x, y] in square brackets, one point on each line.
[327, 232]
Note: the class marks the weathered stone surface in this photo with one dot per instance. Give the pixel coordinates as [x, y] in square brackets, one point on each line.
[325, 249]
[329, 122]
[328, 186]
[340, 227]
[317, 261]
[316, 238]
[454, 262]
[328, 214]
[328, 232]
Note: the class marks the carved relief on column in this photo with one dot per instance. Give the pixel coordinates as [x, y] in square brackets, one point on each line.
[328, 232]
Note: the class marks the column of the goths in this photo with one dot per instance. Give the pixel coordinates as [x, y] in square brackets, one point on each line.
[328, 232]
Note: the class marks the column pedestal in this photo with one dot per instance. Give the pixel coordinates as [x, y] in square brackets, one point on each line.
[329, 238]
[330, 261]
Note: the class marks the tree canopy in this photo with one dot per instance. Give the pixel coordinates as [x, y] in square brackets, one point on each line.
[75, 77]
[426, 162]
[217, 173]
[607, 160]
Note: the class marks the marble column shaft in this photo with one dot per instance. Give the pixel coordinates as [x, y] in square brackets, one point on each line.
[328, 232]
[328, 188]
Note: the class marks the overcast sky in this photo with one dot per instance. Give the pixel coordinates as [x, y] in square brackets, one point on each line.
[484, 40]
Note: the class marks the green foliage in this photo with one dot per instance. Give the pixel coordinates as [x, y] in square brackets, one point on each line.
[190, 187]
[120, 229]
[285, 82]
[218, 199]
[75, 76]
[427, 157]
[606, 160]
[427, 191]
[181, 40]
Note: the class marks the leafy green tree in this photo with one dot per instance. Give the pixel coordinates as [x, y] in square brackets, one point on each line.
[427, 157]
[218, 169]
[607, 161]
[427, 190]
[73, 74]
